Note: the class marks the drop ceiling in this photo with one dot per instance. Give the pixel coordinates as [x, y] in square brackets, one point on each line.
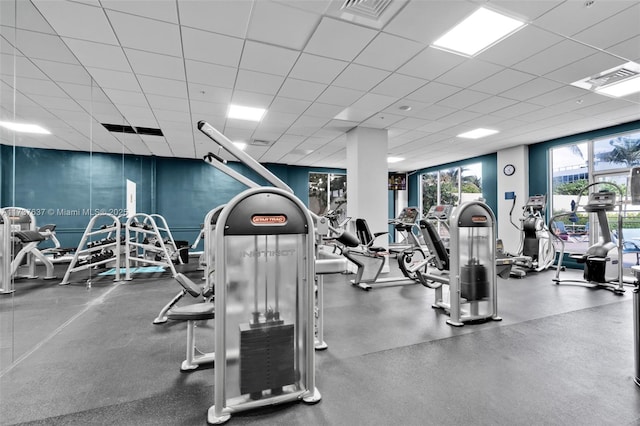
[70, 66]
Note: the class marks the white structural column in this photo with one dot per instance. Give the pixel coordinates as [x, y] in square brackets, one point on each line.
[367, 178]
[519, 183]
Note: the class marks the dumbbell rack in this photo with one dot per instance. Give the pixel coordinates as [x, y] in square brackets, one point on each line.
[140, 229]
[88, 247]
[167, 237]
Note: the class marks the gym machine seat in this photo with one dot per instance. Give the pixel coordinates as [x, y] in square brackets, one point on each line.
[191, 313]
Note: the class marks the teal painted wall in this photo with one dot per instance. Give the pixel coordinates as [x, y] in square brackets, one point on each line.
[489, 179]
[67, 187]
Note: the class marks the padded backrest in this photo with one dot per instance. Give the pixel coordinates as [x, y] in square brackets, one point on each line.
[189, 286]
[363, 232]
[435, 244]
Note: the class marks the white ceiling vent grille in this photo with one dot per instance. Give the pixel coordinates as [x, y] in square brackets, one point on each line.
[619, 81]
[371, 9]
[261, 142]
[612, 77]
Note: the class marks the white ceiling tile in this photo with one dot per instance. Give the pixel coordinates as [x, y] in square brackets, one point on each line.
[425, 21]
[277, 118]
[98, 55]
[163, 86]
[114, 79]
[207, 109]
[516, 110]
[531, 88]
[299, 89]
[433, 127]
[323, 110]
[252, 81]
[388, 52]
[229, 17]
[502, 81]
[434, 112]
[156, 65]
[316, 68]
[63, 72]
[554, 57]
[162, 115]
[281, 25]
[267, 58]
[339, 39]
[161, 10]
[526, 10]
[520, 46]
[168, 103]
[628, 49]
[433, 92]
[431, 63]
[124, 97]
[586, 67]
[42, 46]
[251, 99]
[209, 47]
[20, 67]
[411, 123]
[210, 74]
[468, 73]
[491, 104]
[463, 99]
[146, 34]
[205, 93]
[340, 96]
[88, 23]
[374, 101]
[398, 85]
[614, 30]
[26, 17]
[39, 87]
[459, 117]
[293, 106]
[571, 17]
[359, 77]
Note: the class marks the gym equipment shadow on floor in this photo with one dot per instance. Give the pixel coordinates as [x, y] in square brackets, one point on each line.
[563, 355]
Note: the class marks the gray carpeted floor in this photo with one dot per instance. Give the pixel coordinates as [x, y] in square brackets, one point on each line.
[563, 355]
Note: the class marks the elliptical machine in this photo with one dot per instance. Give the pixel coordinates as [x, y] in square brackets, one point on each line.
[603, 260]
[536, 251]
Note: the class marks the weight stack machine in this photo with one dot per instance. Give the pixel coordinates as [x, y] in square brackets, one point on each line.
[472, 283]
[264, 287]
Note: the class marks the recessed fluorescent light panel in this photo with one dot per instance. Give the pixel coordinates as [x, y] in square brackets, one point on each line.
[394, 159]
[245, 113]
[477, 133]
[619, 81]
[479, 31]
[24, 127]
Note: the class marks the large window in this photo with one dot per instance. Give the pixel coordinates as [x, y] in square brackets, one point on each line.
[575, 166]
[451, 186]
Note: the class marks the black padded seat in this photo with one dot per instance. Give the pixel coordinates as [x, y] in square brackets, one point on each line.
[195, 312]
[28, 236]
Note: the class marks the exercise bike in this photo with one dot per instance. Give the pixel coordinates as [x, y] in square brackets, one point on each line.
[603, 260]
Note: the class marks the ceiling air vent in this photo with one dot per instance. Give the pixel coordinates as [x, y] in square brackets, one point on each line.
[260, 142]
[611, 77]
[119, 128]
[619, 81]
[371, 9]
